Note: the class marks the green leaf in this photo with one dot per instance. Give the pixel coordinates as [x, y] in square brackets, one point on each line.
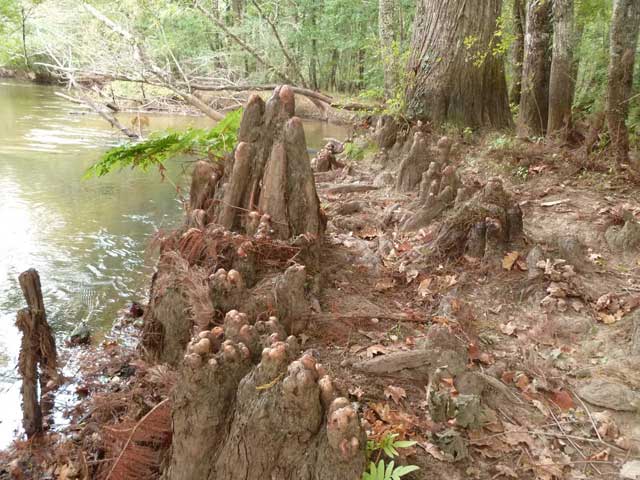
[404, 443]
[404, 470]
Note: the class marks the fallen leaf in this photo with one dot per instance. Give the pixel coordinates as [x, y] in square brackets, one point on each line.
[383, 285]
[423, 289]
[563, 400]
[509, 260]
[432, 450]
[602, 456]
[507, 377]
[508, 328]
[356, 392]
[450, 280]
[522, 382]
[375, 350]
[395, 393]
[412, 275]
[506, 471]
[609, 319]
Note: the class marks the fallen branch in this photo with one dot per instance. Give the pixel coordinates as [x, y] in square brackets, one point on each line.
[162, 76]
[113, 121]
[356, 188]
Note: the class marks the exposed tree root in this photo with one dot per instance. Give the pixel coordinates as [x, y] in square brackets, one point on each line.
[279, 418]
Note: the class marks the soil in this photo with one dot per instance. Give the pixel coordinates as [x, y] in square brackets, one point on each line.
[522, 363]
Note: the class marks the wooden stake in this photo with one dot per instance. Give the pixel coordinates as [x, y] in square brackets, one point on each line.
[38, 348]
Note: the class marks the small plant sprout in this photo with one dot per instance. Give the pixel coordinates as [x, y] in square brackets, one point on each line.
[379, 469]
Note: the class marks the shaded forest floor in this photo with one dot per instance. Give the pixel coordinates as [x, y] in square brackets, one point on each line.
[548, 337]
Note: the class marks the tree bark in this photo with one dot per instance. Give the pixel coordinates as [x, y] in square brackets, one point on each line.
[28, 369]
[387, 38]
[625, 23]
[534, 100]
[562, 80]
[456, 76]
[517, 49]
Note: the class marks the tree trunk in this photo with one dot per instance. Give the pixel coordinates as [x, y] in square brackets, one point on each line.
[562, 80]
[625, 23]
[517, 49]
[534, 100]
[387, 38]
[335, 58]
[456, 77]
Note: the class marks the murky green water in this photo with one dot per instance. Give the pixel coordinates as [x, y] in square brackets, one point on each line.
[87, 238]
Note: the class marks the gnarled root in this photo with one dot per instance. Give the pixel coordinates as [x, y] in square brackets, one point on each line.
[482, 227]
[440, 188]
[268, 174]
[279, 418]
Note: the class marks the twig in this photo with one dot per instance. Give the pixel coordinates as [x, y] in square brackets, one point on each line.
[573, 444]
[595, 427]
[285, 52]
[260, 59]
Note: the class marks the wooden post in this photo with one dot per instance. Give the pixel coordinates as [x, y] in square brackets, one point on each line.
[28, 368]
[38, 349]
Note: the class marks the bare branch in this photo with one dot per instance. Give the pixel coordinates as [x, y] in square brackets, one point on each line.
[161, 75]
[285, 52]
[242, 44]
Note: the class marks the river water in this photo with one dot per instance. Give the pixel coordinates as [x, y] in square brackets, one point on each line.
[87, 238]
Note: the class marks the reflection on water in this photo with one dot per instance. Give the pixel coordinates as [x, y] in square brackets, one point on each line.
[87, 238]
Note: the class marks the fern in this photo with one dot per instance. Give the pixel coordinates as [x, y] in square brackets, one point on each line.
[162, 146]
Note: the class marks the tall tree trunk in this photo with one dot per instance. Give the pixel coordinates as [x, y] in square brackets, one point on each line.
[625, 23]
[238, 8]
[534, 100]
[361, 58]
[335, 58]
[562, 80]
[456, 77]
[23, 17]
[313, 61]
[387, 37]
[517, 49]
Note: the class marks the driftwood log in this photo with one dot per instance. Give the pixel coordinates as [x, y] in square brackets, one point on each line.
[38, 360]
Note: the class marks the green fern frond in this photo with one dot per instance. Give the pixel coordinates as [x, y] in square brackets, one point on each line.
[162, 146]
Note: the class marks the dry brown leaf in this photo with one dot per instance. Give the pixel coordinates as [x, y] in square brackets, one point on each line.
[563, 400]
[450, 280]
[375, 350]
[395, 393]
[515, 435]
[356, 392]
[432, 450]
[509, 260]
[505, 471]
[522, 382]
[609, 319]
[383, 285]
[508, 328]
[423, 289]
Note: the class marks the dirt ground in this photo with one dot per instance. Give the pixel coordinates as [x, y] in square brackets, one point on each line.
[544, 379]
